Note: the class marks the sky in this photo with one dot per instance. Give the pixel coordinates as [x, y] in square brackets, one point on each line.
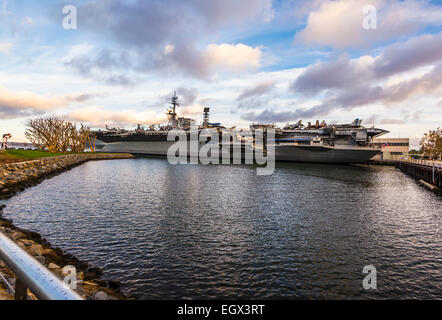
[117, 62]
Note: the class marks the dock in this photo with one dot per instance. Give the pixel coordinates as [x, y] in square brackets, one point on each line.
[428, 173]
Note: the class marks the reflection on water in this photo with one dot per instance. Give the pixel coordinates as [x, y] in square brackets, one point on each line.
[195, 231]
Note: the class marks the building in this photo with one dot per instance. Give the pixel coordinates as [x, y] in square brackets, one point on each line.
[392, 148]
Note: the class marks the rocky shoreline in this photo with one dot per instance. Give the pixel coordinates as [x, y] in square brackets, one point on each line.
[15, 177]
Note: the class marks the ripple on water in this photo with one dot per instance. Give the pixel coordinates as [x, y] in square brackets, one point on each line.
[307, 231]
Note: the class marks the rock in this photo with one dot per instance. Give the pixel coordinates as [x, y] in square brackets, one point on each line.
[34, 235]
[95, 270]
[53, 266]
[90, 275]
[16, 235]
[27, 243]
[100, 295]
[80, 290]
[36, 250]
[100, 282]
[49, 253]
[113, 284]
[21, 245]
[40, 259]
[92, 284]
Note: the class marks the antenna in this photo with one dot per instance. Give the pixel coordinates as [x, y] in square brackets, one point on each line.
[171, 114]
[206, 116]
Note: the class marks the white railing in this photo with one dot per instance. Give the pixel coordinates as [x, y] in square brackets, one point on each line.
[33, 275]
[429, 163]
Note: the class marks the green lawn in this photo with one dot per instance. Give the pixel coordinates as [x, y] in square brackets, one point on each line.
[32, 154]
[20, 155]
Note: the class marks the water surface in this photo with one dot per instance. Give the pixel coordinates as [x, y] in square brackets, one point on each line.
[193, 231]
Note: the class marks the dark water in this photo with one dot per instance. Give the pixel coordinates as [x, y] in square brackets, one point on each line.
[307, 231]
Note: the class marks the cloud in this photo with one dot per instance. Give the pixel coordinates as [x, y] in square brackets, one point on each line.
[286, 116]
[390, 78]
[392, 121]
[233, 57]
[98, 116]
[257, 91]
[183, 58]
[107, 67]
[168, 36]
[359, 95]
[6, 47]
[157, 23]
[408, 55]
[334, 74]
[339, 23]
[252, 98]
[344, 73]
[20, 104]
[85, 97]
[186, 97]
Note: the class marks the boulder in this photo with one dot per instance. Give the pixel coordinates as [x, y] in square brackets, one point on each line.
[40, 259]
[100, 295]
[36, 250]
[113, 284]
[26, 242]
[53, 266]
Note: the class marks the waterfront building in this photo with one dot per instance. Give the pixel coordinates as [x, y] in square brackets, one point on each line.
[392, 148]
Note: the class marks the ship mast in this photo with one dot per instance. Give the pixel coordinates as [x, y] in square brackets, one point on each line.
[171, 114]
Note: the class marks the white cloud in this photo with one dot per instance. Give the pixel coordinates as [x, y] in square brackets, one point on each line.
[233, 57]
[6, 47]
[98, 116]
[20, 100]
[339, 23]
[27, 20]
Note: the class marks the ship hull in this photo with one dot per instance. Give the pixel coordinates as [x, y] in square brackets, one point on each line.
[324, 154]
[140, 147]
[282, 153]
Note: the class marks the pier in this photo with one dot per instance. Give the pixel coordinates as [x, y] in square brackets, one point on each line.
[428, 173]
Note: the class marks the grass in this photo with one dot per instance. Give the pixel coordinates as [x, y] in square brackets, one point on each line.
[23, 155]
[32, 154]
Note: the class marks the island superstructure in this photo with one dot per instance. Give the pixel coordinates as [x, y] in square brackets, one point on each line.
[320, 143]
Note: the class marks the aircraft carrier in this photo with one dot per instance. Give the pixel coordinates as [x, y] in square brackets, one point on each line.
[319, 143]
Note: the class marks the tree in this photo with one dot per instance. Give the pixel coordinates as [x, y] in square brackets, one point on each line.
[78, 138]
[57, 135]
[91, 139]
[49, 133]
[431, 144]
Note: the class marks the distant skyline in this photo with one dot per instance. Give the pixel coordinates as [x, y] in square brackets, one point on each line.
[250, 61]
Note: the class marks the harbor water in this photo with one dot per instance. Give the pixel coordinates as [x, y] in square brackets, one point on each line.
[201, 232]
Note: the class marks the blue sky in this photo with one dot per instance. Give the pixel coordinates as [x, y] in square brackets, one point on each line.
[250, 61]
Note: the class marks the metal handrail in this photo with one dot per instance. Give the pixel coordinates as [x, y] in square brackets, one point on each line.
[429, 163]
[33, 275]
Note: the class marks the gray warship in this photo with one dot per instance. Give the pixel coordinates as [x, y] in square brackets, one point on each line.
[319, 143]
